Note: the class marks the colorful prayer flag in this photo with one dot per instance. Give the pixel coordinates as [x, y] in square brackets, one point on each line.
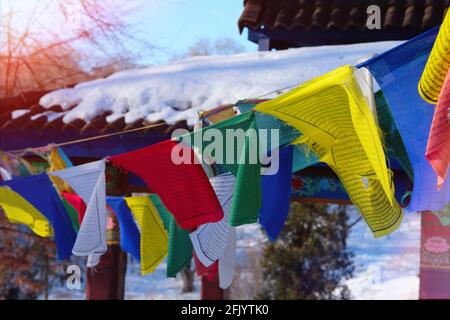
[337, 123]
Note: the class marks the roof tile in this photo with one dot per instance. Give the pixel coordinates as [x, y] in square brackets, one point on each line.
[418, 15]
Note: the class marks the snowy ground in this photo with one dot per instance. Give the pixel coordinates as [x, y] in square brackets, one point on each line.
[386, 268]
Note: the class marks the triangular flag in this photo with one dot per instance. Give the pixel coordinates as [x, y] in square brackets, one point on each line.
[227, 263]
[438, 146]
[337, 124]
[88, 181]
[129, 232]
[179, 254]
[19, 210]
[57, 162]
[40, 193]
[77, 203]
[398, 73]
[153, 245]
[235, 158]
[210, 239]
[183, 187]
[276, 190]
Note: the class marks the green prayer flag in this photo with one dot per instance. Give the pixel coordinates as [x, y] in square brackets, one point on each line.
[234, 155]
[393, 142]
[247, 196]
[180, 249]
[303, 156]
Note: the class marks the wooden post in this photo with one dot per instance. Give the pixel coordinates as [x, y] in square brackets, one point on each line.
[434, 258]
[107, 280]
[264, 44]
[211, 290]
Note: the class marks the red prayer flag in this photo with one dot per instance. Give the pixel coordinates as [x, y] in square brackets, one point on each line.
[77, 203]
[210, 272]
[183, 188]
[438, 147]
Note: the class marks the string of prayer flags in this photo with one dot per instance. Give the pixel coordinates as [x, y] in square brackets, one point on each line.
[210, 240]
[184, 188]
[129, 232]
[58, 162]
[179, 253]
[337, 123]
[227, 262]
[19, 210]
[438, 63]
[88, 181]
[393, 142]
[438, 145]
[398, 72]
[40, 193]
[153, 242]
[276, 190]
[237, 158]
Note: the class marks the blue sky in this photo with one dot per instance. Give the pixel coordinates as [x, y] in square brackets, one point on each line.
[174, 25]
[171, 25]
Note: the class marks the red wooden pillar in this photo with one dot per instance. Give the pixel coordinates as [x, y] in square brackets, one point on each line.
[434, 258]
[209, 276]
[211, 290]
[107, 280]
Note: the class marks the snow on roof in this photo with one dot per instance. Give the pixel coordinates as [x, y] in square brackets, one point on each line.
[180, 90]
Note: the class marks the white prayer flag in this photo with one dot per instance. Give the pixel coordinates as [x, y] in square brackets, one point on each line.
[88, 181]
[227, 263]
[210, 239]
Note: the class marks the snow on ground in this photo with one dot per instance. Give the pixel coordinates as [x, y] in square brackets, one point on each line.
[386, 268]
[156, 286]
[178, 90]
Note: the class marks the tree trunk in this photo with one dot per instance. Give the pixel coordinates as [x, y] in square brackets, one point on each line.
[187, 276]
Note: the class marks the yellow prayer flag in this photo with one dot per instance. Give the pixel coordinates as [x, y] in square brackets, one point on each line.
[337, 124]
[19, 210]
[57, 163]
[154, 240]
[438, 64]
